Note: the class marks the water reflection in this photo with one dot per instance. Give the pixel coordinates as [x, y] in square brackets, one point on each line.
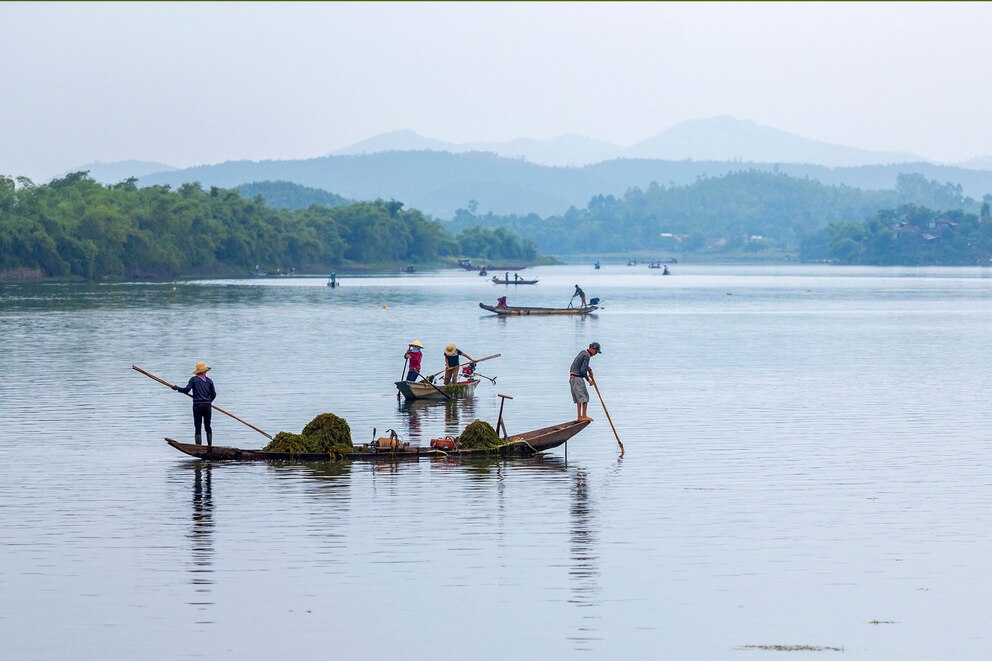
[427, 418]
[201, 536]
[584, 573]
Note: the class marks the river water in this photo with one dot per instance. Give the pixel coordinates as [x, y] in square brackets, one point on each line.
[807, 464]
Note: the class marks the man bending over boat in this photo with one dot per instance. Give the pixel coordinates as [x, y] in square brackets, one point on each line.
[578, 373]
[203, 394]
[581, 294]
[451, 353]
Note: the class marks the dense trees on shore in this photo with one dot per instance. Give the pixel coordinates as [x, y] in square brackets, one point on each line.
[741, 212]
[908, 235]
[74, 226]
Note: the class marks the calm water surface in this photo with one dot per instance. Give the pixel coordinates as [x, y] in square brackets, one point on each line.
[808, 463]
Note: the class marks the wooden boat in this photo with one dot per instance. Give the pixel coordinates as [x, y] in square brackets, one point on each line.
[520, 311]
[518, 445]
[521, 281]
[424, 390]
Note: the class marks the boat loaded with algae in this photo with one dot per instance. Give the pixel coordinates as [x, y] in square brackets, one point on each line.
[325, 434]
[478, 439]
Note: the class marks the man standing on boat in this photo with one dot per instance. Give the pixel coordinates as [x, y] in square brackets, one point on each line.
[581, 294]
[451, 353]
[415, 355]
[578, 373]
[203, 394]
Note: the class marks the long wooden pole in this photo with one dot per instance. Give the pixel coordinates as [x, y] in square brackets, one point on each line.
[402, 376]
[478, 360]
[164, 382]
[607, 415]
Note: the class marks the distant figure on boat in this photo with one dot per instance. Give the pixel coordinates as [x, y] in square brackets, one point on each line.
[203, 394]
[516, 276]
[501, 302]
[578, 374]
[506, 278]
[581, 294]
[415, 355]
[597, 265]
[409, 269]
[332, 280]
[451, 353]
[483, 271]
[666, 271]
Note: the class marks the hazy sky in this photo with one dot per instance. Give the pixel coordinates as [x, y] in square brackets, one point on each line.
[192, 83]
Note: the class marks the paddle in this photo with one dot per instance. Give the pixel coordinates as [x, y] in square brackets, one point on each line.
[164, 382]
[495, 355]
[594, 385]
[402, 376]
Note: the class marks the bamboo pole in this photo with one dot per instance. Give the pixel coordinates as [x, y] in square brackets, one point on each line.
[479, 360]
[594, 385]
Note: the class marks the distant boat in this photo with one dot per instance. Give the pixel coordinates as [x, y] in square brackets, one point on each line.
[468, 266]
[508, 311]
[521, 281]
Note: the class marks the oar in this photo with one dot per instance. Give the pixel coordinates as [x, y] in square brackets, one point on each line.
[608, 415]
[495, 355]
[402, 376]
[164, 382]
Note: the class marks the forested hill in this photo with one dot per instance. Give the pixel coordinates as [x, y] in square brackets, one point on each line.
[753, 211]
[76, 226]
[287, 195]
[439, 183]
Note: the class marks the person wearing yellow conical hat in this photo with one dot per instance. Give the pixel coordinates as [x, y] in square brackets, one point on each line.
[451, 353]
[414, 355]
[204, 393]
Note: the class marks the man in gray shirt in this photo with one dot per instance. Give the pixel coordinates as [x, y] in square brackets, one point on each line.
[578, 373]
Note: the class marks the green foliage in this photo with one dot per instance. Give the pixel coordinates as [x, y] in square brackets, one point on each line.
[748, 211]
[327, 433]
[479, 435]
[76, 227]
[911, 235]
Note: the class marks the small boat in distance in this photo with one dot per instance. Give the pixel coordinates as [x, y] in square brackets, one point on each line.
[517, 281]
[508, 311]
[469, 266]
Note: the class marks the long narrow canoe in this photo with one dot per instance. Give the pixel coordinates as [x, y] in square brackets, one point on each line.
[505, 311]
[501, 281]
[424, 390]
[518, 445]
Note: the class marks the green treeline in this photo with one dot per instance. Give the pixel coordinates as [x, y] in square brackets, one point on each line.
[908, 235]
[75, 226]
[747, 211]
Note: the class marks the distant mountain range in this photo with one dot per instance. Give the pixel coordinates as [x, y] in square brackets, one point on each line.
[548, 176]
[439, 183]
[713, 139]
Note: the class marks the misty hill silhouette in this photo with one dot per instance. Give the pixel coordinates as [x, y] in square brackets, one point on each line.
[439, 183]
[711, 139]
